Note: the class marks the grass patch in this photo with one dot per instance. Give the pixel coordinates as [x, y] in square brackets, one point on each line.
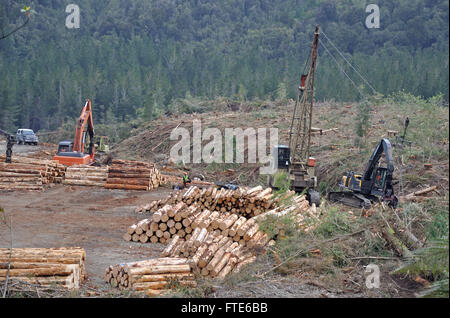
[334, 222]
[204, 289]
[439, 225]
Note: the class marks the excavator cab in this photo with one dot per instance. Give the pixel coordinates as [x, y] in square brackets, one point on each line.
[379, 181]
[281, 157]
[67, 156]
[65, 146]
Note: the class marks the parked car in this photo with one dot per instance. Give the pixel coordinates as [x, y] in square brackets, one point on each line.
[26, 136]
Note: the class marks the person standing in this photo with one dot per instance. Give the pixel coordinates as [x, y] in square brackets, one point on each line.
[186, 179]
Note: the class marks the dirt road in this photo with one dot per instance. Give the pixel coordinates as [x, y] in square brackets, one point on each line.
[92, 218]
[29, 149]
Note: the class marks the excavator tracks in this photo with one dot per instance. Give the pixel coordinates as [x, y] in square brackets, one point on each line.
[350, 198]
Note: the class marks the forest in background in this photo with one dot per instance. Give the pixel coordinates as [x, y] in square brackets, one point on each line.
[135, 58]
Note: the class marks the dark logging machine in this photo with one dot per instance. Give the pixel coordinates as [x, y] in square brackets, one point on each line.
[374, 185]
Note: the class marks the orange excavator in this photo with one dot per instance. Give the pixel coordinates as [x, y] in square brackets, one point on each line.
[73, 152]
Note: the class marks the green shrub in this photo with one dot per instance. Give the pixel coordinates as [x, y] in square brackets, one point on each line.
[431, 261]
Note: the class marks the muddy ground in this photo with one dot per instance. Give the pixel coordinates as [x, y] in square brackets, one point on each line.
[92, 218]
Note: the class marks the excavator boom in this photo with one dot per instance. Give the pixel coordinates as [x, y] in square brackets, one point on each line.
[80, 134]
[367, 180]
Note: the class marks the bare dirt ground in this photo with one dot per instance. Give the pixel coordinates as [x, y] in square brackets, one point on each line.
[19, 148]
[92, 218]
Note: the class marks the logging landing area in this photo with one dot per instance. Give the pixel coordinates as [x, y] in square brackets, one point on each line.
[92, 218]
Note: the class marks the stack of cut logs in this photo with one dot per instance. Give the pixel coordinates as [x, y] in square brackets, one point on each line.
[164, 223]
[86, 175]
[214, 243]
[214, 255]
[29, 173]
[44, 266]
[132, 175]
[184, 221]
[151, 276]
[243, 201]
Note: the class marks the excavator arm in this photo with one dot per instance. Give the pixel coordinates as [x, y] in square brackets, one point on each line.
[80, 133]
[368, 178]
[6, 134]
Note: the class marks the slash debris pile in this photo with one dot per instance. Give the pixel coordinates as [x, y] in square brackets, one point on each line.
[44, 266]
[29, 173]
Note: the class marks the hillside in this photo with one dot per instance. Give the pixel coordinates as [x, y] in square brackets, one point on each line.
[336, 151]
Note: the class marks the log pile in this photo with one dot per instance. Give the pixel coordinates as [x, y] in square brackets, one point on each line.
[189, 221]
[83, 175]
[247, 202]
[151, 276]
[227, 242]
[214, 255]
[29, 173]
[216, 242]
[44, 266]
[132, 175]
[164, 224]
[183, 219]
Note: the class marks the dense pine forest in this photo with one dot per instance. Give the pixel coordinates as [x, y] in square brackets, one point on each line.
[134, 58]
